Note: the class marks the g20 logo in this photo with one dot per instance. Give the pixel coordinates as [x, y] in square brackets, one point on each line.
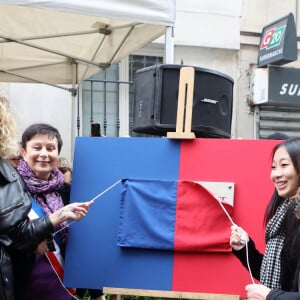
[272, 37]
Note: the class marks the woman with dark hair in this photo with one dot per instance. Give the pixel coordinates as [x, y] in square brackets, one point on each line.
[278, 268]
[40, 147]
[20, 236]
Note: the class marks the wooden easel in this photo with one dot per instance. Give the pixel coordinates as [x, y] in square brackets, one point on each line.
[116, 294]
[185, 105]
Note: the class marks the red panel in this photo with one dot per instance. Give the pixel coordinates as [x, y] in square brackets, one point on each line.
[247, 163]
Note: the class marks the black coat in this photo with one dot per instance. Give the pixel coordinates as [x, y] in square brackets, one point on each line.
[18, 236]
[290, 259]
[283, 295]
[255, 259]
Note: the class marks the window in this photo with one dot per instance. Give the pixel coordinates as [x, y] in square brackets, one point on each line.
[100, 101]
[101, 96]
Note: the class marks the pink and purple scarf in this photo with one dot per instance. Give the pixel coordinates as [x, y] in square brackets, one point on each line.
[45, 192]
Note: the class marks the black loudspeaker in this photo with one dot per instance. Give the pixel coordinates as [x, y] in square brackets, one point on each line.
[156, 98]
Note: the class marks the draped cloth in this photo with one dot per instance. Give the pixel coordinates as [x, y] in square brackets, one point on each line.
[172, 215]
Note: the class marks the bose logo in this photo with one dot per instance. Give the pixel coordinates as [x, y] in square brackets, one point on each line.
[209, 101]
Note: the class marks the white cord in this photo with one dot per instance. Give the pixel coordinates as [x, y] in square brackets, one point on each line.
[248, 264]
[93, 199]
[244, 240]
[97, 196]
[105, 191]
[225, 211]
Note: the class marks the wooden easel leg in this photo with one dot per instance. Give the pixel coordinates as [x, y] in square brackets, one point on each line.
[115, 297]
[185, 105]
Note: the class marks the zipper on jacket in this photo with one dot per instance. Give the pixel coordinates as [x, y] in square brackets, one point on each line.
[11, 208]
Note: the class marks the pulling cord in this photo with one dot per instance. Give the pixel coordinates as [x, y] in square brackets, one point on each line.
[93, 199]
[245, 241]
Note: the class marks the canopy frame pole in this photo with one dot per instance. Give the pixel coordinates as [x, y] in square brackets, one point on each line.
[75, 100]
[123, 41]
[51, 36]
[105, 30]
[36, 81]
[34, 67]
[78, 59]
[117, 50]
[169, 45]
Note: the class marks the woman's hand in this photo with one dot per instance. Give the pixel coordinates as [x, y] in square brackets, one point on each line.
[257, 291]
[238, 238]
[75, 212]
[42, 247]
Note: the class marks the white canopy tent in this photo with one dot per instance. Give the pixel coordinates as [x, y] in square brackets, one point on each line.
[66, 41]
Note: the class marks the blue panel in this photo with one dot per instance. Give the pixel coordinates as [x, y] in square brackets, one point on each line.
[93, 258]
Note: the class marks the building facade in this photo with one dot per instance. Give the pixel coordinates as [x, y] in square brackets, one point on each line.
[222, 36]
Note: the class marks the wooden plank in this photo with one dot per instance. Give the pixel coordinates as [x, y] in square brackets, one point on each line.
[168, 294]
[185, 105]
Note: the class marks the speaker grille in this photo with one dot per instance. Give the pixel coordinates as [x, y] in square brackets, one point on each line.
[156, 97]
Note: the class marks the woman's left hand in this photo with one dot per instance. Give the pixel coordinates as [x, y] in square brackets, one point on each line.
[257, 291]
[74, 211]
[77, 211]
[42, 247]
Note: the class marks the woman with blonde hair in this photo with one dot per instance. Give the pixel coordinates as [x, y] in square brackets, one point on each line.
[20, 236]
[66, 168]
[8, 130]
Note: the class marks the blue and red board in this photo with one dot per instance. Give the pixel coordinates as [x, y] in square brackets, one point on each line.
[94, 258]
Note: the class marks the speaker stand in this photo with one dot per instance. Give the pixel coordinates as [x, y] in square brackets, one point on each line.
[185, 105]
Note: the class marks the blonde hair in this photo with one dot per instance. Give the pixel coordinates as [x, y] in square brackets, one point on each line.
[8, 130]
[64, 163]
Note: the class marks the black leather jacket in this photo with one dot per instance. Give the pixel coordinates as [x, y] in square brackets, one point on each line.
[283, 295]
[19, 236]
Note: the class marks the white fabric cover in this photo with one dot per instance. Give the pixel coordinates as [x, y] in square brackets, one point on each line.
[70, 47]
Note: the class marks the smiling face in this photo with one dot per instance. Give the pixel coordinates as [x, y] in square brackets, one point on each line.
[284, 174]
[41, 154]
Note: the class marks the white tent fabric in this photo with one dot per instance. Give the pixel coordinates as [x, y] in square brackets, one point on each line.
[64, 42]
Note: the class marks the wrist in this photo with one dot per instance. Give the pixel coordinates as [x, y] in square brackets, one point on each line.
[57, 217]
